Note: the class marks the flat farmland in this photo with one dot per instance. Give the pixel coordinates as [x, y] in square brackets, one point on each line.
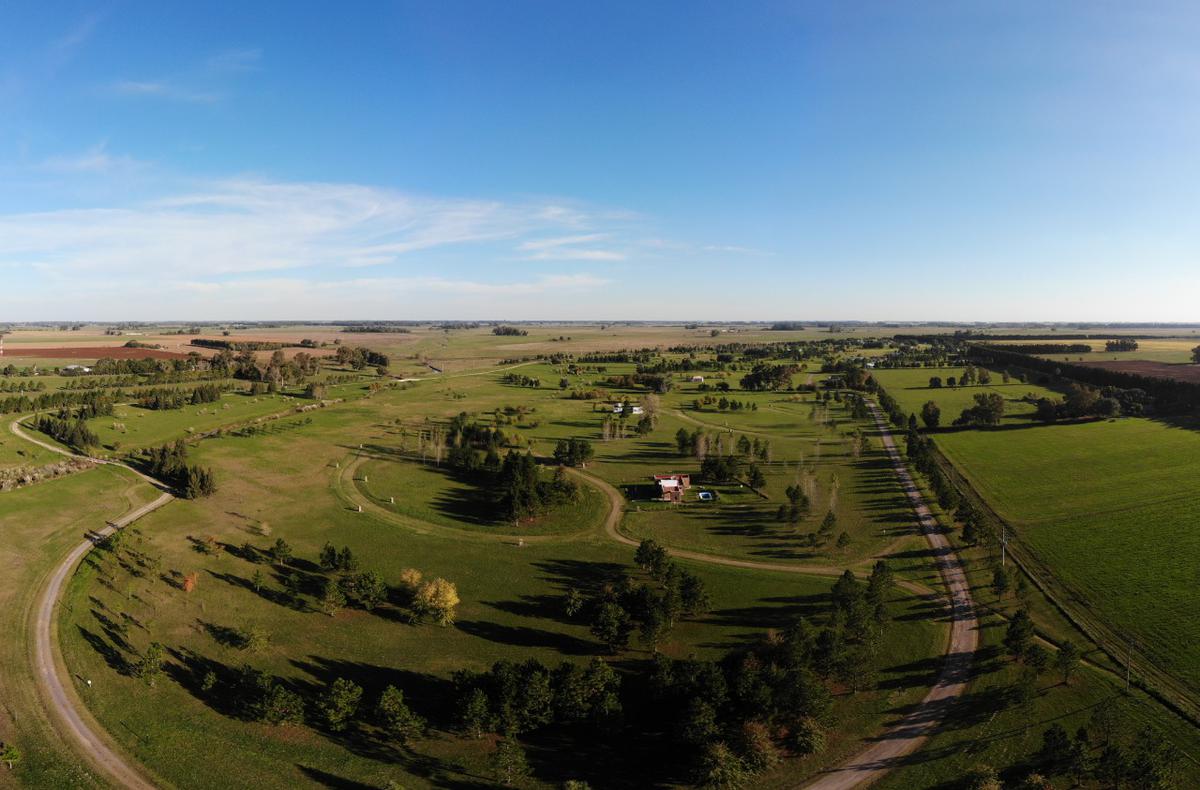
[910, 387]
[510, 609]
[1165, 349]
[1162, 370]
[134, 427]
[1108, 507]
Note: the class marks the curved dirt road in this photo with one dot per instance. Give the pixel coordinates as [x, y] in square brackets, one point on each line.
[910, 732]
[88, 739]
[612, 523]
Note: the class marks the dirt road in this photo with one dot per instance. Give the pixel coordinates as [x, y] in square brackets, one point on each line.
[67, 711]
[910, 732]
[87, 738]
[612, 529]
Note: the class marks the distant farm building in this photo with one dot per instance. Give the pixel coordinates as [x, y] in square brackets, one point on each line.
[671, 487]
[620, 409]
[697, 379]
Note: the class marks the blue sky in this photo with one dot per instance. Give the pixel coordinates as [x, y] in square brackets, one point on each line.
[953, 161]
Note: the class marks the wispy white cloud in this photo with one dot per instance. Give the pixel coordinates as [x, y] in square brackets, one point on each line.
[164, 89]
[244, 226]
[234, 60]
[64, 48]
[568, 248]
[734, 249]
[194, 85]
[96, 159]
[562, 241]
[573, 254]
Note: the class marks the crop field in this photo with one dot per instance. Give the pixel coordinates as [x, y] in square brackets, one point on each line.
[1103, 505]
[289, 484]
[1167, 349]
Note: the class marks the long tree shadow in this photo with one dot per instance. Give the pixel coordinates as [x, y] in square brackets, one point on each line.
[111, 655]
[526, 636]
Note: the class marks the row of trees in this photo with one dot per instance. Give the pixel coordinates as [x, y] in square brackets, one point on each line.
[1159, 395]
[71, 431]
[723, 404]
[573, 452]
[520, 380]
[700, 444]
[161, 399]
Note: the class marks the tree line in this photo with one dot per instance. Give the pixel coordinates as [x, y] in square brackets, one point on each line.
[165, 399]
[1162, 395]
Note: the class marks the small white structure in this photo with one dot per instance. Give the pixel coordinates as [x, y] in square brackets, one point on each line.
[79, 368]
[620, 409]
[697, 379]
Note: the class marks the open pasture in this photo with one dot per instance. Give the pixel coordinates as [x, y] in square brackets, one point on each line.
[910, 387]
[132, 427]
[801, 433]
[286, 485]
[439, 495]
[1107, 507]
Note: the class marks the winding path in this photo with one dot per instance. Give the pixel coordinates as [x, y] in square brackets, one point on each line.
[88, 738]
[909, 732]
[612, 529]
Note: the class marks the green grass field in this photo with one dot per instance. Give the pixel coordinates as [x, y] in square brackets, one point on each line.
[437, 495]
[288, 481]
[1102, 504]
[16, 452]
[994, 726]
[39, 525]
[1083, 497]
[910, 387]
